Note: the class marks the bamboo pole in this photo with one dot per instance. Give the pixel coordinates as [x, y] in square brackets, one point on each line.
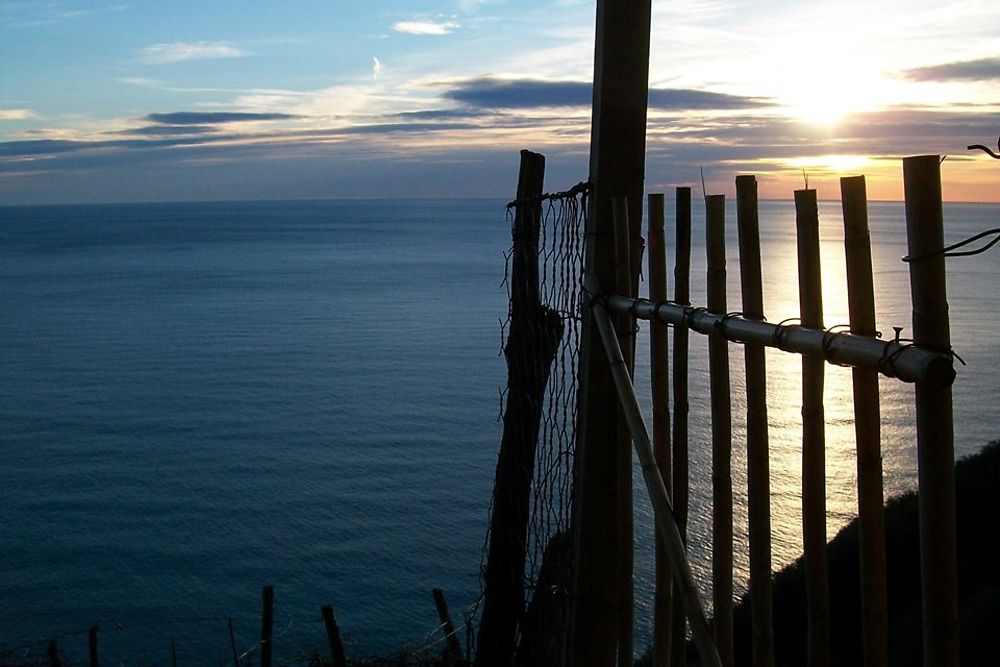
[626, 340]
[53, 653]
[682, 270]
[758, 464]
[659, 375]
[232, 643]
[535, 332]
[935, 435]
[813, 440]
[173, 652]
[617, 168]
[333, 636]
[453, 652]
[722, 436]
[663, 513]
[94, 657]
[871, 519]
[266, 626]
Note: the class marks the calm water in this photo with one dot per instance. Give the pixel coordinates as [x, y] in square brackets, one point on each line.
[199, 399]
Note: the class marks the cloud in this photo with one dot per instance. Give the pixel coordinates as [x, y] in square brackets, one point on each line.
[16, 114]
[180, 51]
[426, 27]
[376, 67]
[489, 93]
[984, 69]
[214, 117]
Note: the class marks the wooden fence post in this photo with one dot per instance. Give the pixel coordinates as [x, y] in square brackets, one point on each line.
[617, 169]
[682, 282]
[813, 438]
[758, 464]
[722, 434]
[534, 336]
[453, 654]
[871, 519]
[935, 434]
[659, 375]
[266, 626]
[94, 658]
[333, 636]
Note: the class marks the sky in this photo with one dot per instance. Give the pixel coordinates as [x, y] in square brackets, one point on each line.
[176, 100]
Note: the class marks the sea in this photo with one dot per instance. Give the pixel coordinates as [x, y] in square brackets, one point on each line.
[201, 399]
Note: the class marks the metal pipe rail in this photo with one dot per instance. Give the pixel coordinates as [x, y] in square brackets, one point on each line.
[902, 360]
[662, 509]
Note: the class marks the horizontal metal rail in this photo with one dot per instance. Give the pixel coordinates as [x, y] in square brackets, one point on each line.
[662, 509]
[898, 359]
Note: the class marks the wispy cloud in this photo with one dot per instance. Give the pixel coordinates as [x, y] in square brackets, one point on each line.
[17, 114]
[426, 27]
[376, 67]
[983, 69]
[180, 51]
[490, 93]
[214, 117]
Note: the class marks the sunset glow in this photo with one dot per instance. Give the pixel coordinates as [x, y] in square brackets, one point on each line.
[279, 103]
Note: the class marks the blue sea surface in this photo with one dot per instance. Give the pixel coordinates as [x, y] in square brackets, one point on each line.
[201, 399]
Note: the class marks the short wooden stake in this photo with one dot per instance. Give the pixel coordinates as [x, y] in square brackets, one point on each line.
[232, 643]
[92, 647]
[722, 435]
[758, 464]
[813, 434]
[626, 340]
[333, 636]
[453, 652]
[266, 626]
[659, 374]
[935, 428]
[871, 518]
[53, 653]
[682, 294]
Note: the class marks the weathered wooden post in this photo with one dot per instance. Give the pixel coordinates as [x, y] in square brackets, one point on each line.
[232, 643]
[333, 636]
[682, 294]
[617, 167]
[935, 435]
[94, 658]
[534, 337]
[453, 652]
[266, 626]
[722, 434]
[813, 434]
[659, 376]
[758, 464]
[871, 519]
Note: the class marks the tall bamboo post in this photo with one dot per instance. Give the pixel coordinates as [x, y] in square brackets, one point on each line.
[722, 435]
[871, 519]
[534, 336]
[659, 375]
[682, 294]
[617, 169]
[626, 341]
[337, 657]
[813, 437]
[758, 464]
[935, 435]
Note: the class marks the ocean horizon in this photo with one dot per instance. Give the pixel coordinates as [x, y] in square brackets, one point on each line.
[202, 398]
